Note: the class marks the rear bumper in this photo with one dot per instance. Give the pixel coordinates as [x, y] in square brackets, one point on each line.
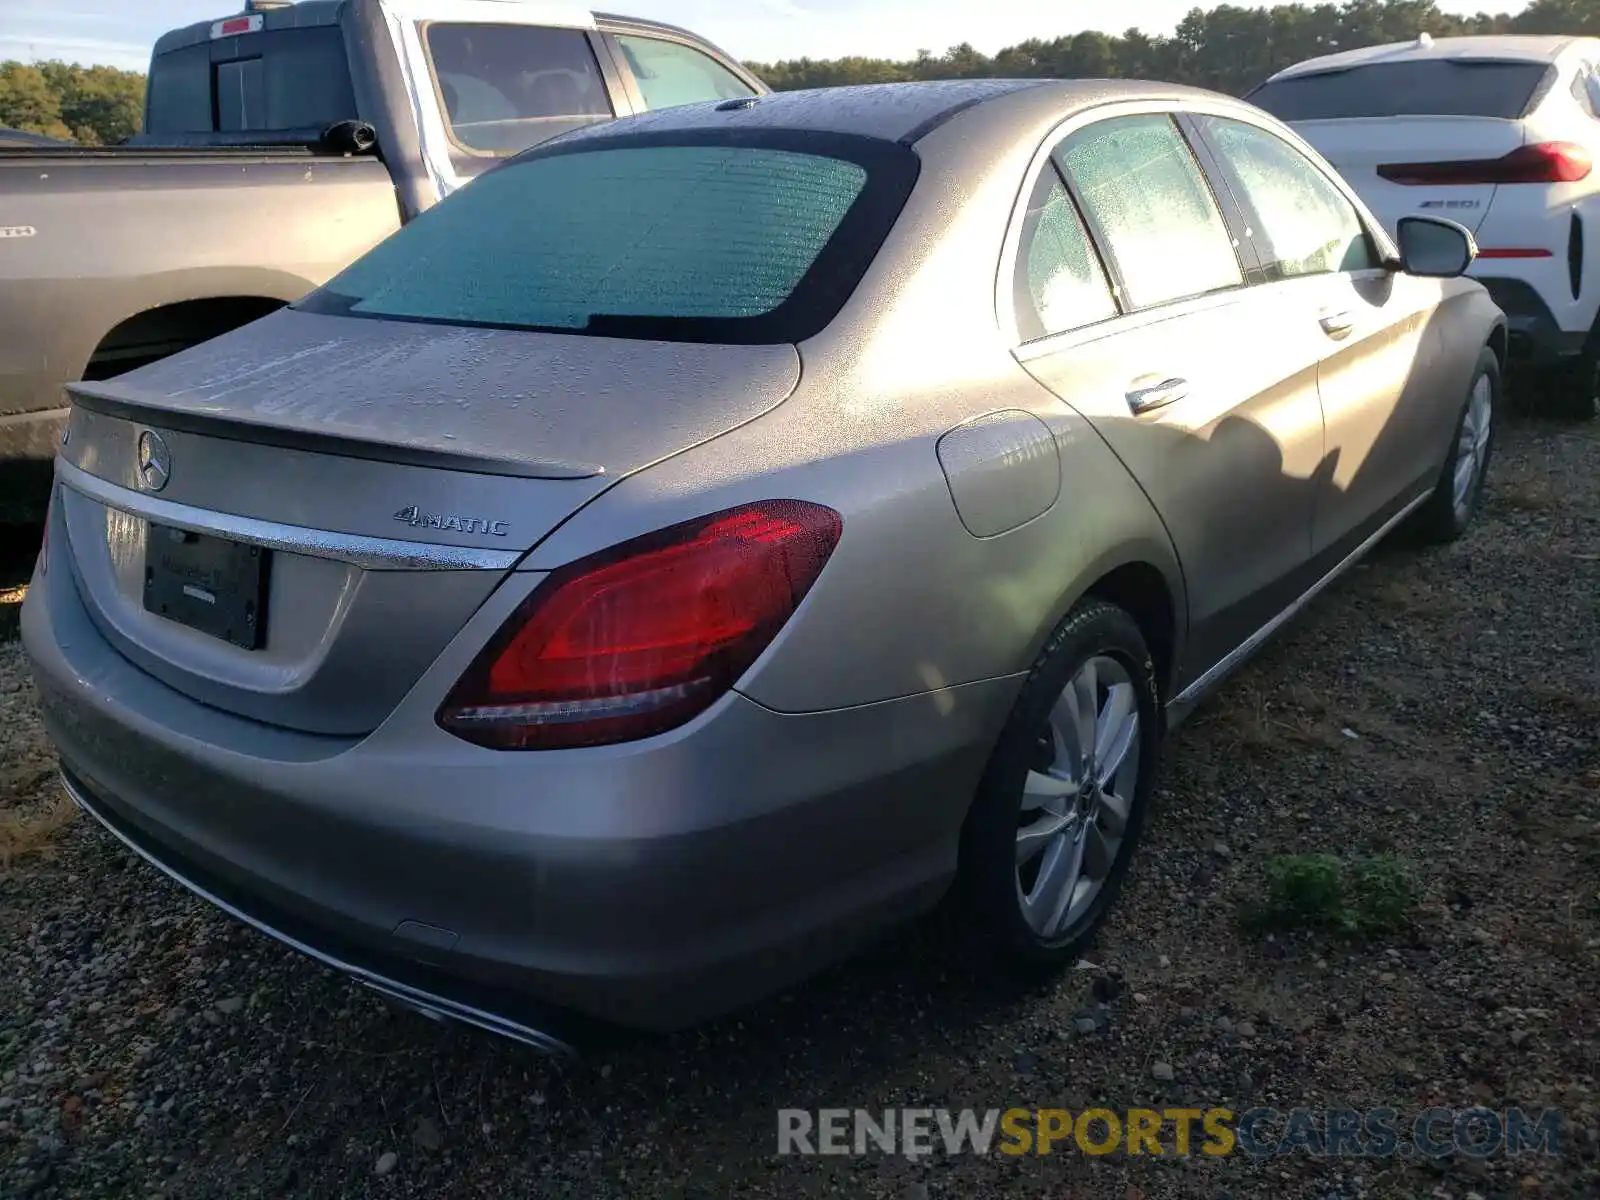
[650, 885]
[410, 983]
[1535, 338]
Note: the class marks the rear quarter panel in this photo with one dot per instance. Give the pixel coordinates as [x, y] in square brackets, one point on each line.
[118, 234]
[911, 600]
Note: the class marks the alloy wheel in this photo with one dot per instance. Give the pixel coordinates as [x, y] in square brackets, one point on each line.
[1077, 800]
[1472, 446]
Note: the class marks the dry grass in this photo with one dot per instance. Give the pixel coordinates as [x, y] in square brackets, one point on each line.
[28, 829]
[1413, 596]
[1250, 720]
[1526, 495]
[1580, 703]
[33, 808]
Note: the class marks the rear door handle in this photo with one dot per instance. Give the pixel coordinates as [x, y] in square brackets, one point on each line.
[1337, 325]
[1157, 395]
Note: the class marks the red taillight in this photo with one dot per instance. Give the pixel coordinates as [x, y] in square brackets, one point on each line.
[1546, 162]
[641, 637]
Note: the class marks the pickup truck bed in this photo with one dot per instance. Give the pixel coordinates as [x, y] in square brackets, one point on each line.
[138, 254]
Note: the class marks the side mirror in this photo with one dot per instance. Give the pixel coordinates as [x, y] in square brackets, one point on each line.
[1434, 248]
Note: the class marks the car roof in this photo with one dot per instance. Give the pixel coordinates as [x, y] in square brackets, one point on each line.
[895, 112]
[1506, 48]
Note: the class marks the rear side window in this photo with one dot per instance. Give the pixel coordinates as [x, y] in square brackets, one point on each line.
[1308, 225]
[669, 73]
[275, 80]
[1059, 284]
[504, 88]
[690, 242]
[1142, 188]
[1442, 87]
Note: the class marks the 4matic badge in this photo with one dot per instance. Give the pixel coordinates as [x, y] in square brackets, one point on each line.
[417, 519]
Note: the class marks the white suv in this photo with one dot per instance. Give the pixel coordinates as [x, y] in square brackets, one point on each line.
[1498, 133]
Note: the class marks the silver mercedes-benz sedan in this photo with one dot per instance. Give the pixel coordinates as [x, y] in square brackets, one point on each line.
[712, 535]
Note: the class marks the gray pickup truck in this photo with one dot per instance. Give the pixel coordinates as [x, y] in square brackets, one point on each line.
[278, 146]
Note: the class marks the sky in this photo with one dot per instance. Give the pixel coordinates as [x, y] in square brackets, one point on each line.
[119, 32]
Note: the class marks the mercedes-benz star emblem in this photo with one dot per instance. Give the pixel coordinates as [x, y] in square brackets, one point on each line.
[155, 461]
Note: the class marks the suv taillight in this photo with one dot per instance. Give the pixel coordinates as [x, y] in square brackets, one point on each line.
[1545, 162]
[641, 637]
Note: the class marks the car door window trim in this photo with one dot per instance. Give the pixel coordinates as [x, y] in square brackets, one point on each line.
[1005, 313]
[1382, 244]
[1260, 236]
[1103, 239]
[1096, 254]
[1235, 214]
[1142, 318]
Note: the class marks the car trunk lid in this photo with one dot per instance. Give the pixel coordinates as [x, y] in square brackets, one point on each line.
[387, 475]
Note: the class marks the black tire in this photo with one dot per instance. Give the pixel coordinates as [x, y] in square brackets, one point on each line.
[990, 896]
[1439, 520]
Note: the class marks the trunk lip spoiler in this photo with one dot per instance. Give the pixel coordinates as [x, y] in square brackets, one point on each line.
[360, 550]
[223, 426]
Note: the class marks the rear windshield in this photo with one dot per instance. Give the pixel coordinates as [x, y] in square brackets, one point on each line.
[275, 80]
[1434, 88]
[755, 238]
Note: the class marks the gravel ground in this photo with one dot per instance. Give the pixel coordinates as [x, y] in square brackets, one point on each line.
[1441, 708]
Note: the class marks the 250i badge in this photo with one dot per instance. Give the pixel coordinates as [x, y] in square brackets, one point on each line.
[417, 519]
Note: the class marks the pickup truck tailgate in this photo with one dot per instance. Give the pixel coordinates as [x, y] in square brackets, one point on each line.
[385, 475]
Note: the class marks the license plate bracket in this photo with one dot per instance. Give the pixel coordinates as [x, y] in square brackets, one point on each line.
[210, 584]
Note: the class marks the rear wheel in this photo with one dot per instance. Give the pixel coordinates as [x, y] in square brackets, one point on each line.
[1062, 803]
[1459, 490]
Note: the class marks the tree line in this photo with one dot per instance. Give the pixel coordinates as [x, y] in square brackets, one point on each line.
[1227, 48]
[94, 106]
